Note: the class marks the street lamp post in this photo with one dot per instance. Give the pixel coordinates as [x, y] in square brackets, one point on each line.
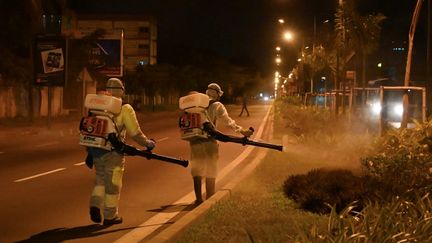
[286, 36]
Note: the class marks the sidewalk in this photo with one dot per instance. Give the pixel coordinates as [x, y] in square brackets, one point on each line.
[59, 126]
[39, 127]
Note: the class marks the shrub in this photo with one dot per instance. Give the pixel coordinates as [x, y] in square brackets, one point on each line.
[402, 162]
[306, 121]
[320, 188]
[397, 221]
[294, 100]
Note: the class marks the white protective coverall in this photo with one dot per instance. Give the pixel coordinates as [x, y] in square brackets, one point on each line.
[109, 166]
[205, 152]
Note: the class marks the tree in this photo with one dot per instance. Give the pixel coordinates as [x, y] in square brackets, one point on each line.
[355, 34]
[15, 44]
[20, 21]
[316, 61]
[358, 33]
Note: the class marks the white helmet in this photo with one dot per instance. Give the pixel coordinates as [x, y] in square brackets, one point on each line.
[214, 91]
[115, 87]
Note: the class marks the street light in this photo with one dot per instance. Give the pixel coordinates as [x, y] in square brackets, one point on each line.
[288, 35]
[276, 82]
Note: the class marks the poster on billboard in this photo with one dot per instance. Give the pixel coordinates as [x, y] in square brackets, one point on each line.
[49, 60]
[106, 53]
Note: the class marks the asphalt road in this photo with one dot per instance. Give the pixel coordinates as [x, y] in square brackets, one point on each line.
[45, 186]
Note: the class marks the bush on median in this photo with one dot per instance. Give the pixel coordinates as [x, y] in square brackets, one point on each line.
[320, 189]
[402, 161]
[382, 204]
[397, 221]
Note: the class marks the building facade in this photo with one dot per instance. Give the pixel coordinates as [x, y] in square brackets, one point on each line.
[139, 34]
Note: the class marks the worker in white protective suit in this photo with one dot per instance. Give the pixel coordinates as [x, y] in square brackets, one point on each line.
[205, 152]
[109, 165]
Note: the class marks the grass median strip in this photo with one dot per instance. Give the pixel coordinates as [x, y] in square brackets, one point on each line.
[258, 210]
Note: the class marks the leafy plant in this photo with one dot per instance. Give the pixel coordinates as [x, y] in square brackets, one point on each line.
[402, 161]
[397, 221]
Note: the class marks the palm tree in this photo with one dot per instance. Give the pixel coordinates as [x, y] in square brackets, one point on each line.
[357, 34]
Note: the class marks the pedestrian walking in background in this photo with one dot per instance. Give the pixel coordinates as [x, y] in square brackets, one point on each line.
[244, 105]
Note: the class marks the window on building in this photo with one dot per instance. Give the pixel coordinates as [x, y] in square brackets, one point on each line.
[143, 29]
[143, 46]
[142, 62]
[51, 23]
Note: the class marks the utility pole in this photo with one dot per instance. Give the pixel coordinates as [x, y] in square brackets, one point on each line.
[36, 11]
[412, 30]
[428, 60]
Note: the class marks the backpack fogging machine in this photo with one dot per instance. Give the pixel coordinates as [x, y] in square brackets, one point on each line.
[195, 123]
[98, 130]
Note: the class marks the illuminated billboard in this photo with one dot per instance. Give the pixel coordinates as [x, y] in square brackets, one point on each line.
[49, 61]
[106, 53]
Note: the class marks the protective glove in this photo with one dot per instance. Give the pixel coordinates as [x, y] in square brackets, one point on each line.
[246, 132]
[151, 144]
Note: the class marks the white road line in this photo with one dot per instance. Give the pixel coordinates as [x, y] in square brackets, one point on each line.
[46, 144]
[38, 175]
[162, 139]
[1, 152]
[160, 219]
[80, 163]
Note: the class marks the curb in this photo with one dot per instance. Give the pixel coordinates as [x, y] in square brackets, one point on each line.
[178, 228]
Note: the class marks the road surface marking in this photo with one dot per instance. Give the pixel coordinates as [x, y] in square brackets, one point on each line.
[41, 174]
[46, 144]
[162, 139]
[80, 163]
[1, 152]
[160, 219]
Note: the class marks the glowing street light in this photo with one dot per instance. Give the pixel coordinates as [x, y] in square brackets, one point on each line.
[288, 36]
[278, 60]
[281, 21]
[278, 48]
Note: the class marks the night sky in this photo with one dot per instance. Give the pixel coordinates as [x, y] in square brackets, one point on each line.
[238, 28]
